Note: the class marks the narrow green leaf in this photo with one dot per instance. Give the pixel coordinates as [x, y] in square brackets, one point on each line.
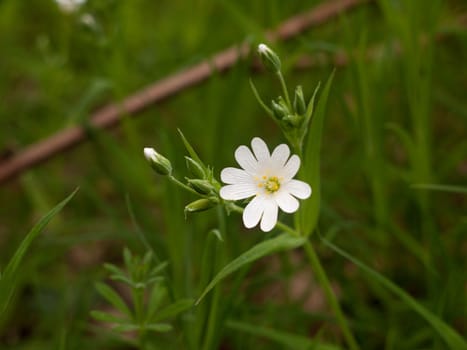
[283, 242]
[114, 270]
[161, 266]
[311, 106]
[450, 336]
[443, 188]
[106, 317]
[7, 283]
[286, 339]
[191, 150]
[260, 100]
[157, 295]
[112, 297]
[173, 309]
[308, 214]
[159, 327]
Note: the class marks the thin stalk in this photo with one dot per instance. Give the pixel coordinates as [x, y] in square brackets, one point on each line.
[284, 89]
[212, 320]
[181, 184]
[322, 279]
[213, 317]
[330, 296]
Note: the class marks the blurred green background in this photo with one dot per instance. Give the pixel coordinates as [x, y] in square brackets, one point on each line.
[397, 116]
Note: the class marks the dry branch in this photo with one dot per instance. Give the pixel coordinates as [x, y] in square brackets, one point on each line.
[111, 114]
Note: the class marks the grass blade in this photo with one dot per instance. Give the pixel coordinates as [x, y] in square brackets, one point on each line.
[288, 340]
[7, 282]
[283, 242]
[443, 188]
[308, 215]
[447, 333]
[191, 150]
[173, 309]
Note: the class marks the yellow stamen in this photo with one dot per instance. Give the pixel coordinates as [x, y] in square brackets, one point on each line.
[271, 184]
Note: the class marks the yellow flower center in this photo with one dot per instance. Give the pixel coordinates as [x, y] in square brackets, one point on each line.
[271, 184]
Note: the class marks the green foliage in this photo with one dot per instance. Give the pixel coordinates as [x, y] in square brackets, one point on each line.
[8, 277]
[450, 336]
[282, 242]
[148, 292]
[391, 189]
[307, 217]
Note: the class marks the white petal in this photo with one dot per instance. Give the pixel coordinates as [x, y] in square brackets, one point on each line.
[253, 212]
[291, 168]
[280, 155]
[246, 159]
[298, 189]
[269, 219]
[286, 202]
[235, 176]
[237, 191]
[260, 150]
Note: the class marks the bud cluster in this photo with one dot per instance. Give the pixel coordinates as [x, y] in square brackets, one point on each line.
[201, 181]
[203, 184]
[293, 117]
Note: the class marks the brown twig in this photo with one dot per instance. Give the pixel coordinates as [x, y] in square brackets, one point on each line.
[111, 114]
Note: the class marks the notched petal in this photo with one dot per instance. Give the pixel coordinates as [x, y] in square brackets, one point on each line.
[260, 150]
[298, 189]
[280, 155]
[286, 202]
[291, 167]
[245, 159]
[237, 191]
[235, 176]
[253, 212]
[269, 218]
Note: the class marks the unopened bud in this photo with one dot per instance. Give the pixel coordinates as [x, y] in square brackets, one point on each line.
[293, 120]
[201, 186]
[280, 111]
[269, 58]
[200, 205]
[158, 162]
[299, 101]
[195, 168]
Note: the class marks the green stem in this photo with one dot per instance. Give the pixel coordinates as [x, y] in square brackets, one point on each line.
[212, 320]
[322, 279]
[181, 184]
[284, 89]
[330, 296]
[213, 316]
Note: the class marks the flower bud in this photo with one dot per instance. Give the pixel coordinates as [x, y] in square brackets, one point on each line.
[201, 186]
[269, 58]
[280, 111]
[201, 205]
[195, 168]
[299, 101]
[159, 163]
[293, 120]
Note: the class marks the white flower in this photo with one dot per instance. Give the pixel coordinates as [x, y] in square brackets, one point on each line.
[69, 6]
[267, 177]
